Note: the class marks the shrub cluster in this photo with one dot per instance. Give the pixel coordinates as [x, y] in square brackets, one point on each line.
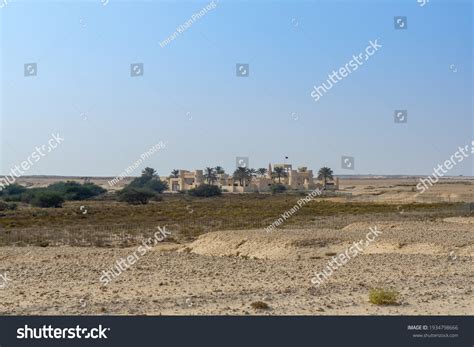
[383, 297]
[277, 188]
[205, 190]
[52, 196]
[4, 206]
[47, 199]
[142, 189]
[135, 196]
[76, 191]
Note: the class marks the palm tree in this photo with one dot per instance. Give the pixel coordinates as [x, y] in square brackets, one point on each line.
[279, 172]
[325, 174]
[210, 175]
[251, 173]
[219, 170]
[242, 174]
[175, 173]
[262, 172]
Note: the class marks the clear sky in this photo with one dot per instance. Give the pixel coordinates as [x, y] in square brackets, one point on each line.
[190, 97]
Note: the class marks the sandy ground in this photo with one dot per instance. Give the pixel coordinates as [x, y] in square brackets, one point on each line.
[429, 263]
[403, 190]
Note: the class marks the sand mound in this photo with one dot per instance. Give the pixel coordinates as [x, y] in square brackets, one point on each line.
[259, 244]
[396, 237]
[461, 220]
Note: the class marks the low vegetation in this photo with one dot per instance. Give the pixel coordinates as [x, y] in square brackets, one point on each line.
[135, 196]
[277, 188]
[53, 195]
[48, 199]
[383, 297]
[205, 191]
[142, 189]
[76, 191]
[4, 206]
[260, 305]
[225, 212]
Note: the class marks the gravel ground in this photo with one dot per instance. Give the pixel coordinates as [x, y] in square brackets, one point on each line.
[429, 263]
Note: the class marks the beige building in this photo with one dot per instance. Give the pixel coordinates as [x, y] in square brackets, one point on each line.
[186, 180]
[296, 179]
[300, 179]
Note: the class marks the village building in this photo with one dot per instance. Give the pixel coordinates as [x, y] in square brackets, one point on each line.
[300, 179]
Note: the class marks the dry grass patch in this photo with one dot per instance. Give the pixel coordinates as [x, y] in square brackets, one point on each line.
[259, 305]
[383, 297]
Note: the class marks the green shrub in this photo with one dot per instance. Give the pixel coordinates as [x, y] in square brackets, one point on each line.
[15, 197]
[75, 191]
[5, 206]
[135, 196]
[150, 181]
[13, 189]
[156, 185]
[380, 296]
[277, 188]
[12, 192]
[27, 196]
[205, 190]
[47, 199]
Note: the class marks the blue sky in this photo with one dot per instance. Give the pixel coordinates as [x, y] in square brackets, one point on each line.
[190, 97]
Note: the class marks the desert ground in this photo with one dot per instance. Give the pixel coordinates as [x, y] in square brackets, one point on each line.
[224, 262]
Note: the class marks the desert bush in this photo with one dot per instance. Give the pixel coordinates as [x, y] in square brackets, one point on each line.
[75, 191]
[156, 185]
[6, 206]
[260, 305]
[12, 192]
[12, 198]
[47, 199]
[135, 196]
[380, 296]
[150, 181]
[29, 194]
[156, 197]
[277, 188]
[13, 189]
[205, 190]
